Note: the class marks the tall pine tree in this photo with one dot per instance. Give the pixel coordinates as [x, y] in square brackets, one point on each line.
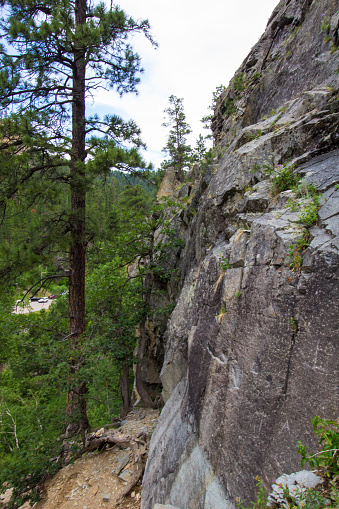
[55, 54]
[176, 147]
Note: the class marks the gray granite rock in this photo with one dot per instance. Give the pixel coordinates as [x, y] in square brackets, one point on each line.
[125, 475]
[331, 207]
[322, 171]
[332, 225]
[251, 354]
[296, 484]
[165, 506]
[122, 462]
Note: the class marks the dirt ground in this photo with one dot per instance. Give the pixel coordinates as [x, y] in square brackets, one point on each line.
[96, 479]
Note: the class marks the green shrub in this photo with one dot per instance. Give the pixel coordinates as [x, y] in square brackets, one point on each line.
[284, 178]
[262, 498]
[327, 460]
[256, 76]
[230, 107]
[295, 250]
[224, 263]
[309, 214]
[239, 82]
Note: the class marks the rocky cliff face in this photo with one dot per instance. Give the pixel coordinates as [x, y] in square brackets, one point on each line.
[251, 346]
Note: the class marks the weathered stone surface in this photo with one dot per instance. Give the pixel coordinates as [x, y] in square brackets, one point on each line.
[125, 475]
[165, 506]
[332, 225]
[322, 171]
[330, 208]
[169, 185]
[296, 484]
[122, 462]
[251, 354]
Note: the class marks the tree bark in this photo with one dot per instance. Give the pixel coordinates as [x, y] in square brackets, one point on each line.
[76, 403]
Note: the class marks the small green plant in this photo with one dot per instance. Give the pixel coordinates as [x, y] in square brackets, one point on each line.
[224, 263]
[262, 498]
[327, 460]
[229, 106]
[294, 205]
[256, 76]
[325, 24]
[264, 169]
[294, 257]
[309, 214]
[305, 189]
[255, 168]
[312, 499]
[257, 135]
[295, 250]
[239, 82]
[309, 209]
[237, 294]
[295, 31]
[284, 177]
[336, 187]
[293, 324]
[221, 314]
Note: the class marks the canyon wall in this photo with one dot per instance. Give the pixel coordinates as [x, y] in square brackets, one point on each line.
[251, 345]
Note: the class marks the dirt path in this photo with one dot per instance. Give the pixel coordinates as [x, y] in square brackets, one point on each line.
[97, 479]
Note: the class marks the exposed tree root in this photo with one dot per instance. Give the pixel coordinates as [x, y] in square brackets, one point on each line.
[96, 441]
[139, 468]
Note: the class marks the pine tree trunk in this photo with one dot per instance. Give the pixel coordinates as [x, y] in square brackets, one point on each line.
[76, 403]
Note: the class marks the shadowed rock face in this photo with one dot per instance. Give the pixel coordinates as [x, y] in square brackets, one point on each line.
[251, 352]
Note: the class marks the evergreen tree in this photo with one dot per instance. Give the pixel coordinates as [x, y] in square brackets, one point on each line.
[55, 53]
[176, 147]
[199, 150]
[207, 119]
[135, 198]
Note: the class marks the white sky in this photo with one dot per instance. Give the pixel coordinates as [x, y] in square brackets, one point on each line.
[201, 45]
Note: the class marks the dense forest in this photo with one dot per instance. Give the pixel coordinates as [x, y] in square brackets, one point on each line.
[35, 350]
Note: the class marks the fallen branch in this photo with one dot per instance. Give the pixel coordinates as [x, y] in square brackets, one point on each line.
[138, 447]
[95, 441]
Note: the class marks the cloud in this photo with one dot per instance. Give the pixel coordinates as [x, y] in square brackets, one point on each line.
[201, 45]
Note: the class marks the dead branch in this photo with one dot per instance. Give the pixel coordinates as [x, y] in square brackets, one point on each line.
[94, 442]
[138, 447]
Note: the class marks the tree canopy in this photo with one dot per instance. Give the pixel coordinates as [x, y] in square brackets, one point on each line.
[54, 55]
